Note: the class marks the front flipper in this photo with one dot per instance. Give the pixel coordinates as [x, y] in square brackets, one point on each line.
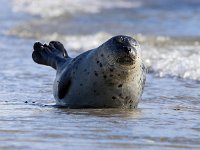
[65, 78]
[64, 83]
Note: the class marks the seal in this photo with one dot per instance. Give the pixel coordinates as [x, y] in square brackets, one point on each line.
[110, 76]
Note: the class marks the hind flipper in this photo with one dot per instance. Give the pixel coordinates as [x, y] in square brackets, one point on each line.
[53, 55]
[59, 46]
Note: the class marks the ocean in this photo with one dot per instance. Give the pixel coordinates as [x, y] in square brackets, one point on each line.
[168, 116]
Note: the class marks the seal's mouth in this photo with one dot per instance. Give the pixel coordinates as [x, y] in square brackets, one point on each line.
[127, 60]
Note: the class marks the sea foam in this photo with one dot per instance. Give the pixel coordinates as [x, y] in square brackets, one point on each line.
[46, 8]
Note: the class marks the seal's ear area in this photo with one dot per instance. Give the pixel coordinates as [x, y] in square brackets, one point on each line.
[59, 46]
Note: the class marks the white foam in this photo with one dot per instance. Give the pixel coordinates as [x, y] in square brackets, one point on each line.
[180, 61]
[47, 8]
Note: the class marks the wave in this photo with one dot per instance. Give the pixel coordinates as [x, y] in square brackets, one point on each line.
[174, 60]
[163, 55]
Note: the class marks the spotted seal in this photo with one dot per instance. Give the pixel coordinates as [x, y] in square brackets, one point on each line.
[110, 76]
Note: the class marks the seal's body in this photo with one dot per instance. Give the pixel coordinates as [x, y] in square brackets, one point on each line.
[110, 76]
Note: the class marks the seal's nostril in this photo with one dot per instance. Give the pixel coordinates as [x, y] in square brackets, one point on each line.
[127, 49]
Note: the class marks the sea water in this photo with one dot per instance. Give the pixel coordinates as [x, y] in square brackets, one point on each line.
[168, 117]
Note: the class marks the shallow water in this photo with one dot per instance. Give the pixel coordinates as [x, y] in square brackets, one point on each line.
[168, 117]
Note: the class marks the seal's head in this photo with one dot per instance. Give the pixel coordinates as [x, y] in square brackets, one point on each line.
[122, 51]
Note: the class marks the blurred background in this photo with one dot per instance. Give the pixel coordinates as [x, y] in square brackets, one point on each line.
[169, 35]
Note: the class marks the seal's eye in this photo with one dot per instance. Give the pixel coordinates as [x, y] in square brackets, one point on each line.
[133, 42]
[119, 39]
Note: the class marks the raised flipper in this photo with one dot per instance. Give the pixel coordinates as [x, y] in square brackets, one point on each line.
[53, 55]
